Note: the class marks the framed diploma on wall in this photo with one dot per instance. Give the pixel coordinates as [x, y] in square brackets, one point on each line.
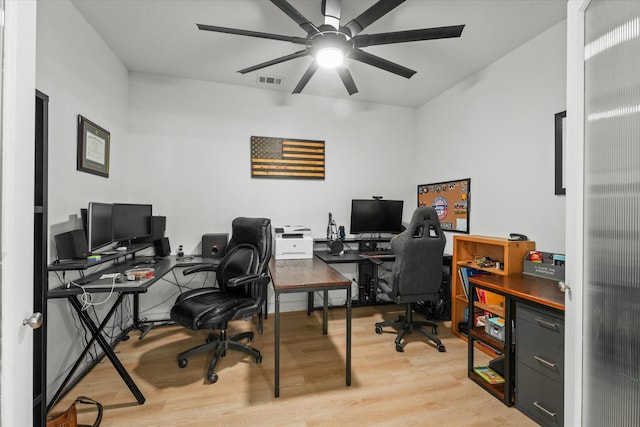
[93, 148]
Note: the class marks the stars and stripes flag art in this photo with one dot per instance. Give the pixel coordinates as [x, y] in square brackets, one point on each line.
[286, 158]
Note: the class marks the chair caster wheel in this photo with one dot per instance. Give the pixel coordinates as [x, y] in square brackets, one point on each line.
[183, 363]
[212, 378]
[399, 348]
[259, 359]
[441, 348]
[434, 330]
[378, 329]
[250, 338]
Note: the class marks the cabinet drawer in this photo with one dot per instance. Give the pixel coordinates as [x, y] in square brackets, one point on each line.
[540, 342]
[539, 397]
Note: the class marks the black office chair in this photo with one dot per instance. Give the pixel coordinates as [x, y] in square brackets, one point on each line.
[417, 273]
[242, 278]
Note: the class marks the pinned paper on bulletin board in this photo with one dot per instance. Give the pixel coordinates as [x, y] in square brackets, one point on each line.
[450, 199]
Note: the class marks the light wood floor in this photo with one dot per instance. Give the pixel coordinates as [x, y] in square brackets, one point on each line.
[420, 387]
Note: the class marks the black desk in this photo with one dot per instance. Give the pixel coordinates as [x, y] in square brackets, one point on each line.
[367, 270]
[161, 268]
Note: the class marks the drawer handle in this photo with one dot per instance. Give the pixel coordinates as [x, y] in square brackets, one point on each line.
[548, 325]
[545, 410]
[546, 362]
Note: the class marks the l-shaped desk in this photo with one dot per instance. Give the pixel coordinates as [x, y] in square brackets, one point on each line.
[161, 267]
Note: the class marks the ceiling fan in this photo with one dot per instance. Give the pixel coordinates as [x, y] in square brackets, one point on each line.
[330, 42]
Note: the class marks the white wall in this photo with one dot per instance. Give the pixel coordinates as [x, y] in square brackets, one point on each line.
[497, 127]
[191, 140]
[81, 75]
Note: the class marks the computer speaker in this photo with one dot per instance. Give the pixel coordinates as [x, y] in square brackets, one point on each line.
[162, 247]
[72, 245]
[335, 246]
[214, 245]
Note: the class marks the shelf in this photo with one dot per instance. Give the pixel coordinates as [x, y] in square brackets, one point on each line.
[480, 334]
[472, 264]
[496, 389]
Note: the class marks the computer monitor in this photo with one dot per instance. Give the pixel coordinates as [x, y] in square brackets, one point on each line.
[376, 216]
[99, 225]
[131, 221]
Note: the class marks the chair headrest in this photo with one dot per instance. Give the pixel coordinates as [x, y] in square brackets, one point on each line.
[256, 232]
[424, 217]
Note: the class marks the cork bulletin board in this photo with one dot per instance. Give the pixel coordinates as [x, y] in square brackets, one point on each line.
[450, 199]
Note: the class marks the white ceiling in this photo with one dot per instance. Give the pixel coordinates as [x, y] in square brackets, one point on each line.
[161, 37]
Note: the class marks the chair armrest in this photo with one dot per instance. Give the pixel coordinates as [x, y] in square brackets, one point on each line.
[199, 268]
[248, 278]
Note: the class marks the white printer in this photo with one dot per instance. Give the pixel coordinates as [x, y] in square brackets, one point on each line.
[292, 242]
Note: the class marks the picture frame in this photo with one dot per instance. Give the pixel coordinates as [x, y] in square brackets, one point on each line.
[560, 120]
[93, 148]
[451, 201]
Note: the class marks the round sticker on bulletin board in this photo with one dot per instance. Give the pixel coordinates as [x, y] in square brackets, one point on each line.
[441, 206]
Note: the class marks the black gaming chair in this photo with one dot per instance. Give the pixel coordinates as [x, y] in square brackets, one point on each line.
[417, 273]
[241, 290]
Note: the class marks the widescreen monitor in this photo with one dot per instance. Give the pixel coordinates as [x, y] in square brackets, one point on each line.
[131, 221]
[99, 225]
[376, 216]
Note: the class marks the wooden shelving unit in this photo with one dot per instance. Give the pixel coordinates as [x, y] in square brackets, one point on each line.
[466, 249]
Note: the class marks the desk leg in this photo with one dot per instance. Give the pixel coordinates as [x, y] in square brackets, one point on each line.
[325, 313]
[349, 335]
[309, 303]
[97, 334]
[277, 345]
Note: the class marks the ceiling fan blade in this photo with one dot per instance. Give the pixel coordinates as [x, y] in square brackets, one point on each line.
[297, 40]
[369, 16]
[331, 10]
[293, 13]
[346, 78]
[306, 77]
[274, 61]
[383, 64]
[365, 40]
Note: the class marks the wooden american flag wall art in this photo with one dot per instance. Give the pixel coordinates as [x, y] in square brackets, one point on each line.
[286, 158]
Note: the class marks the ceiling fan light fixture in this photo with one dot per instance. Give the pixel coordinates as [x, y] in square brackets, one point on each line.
[330, 57]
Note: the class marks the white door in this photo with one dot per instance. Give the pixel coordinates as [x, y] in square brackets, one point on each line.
[16, 210]
[603, 109]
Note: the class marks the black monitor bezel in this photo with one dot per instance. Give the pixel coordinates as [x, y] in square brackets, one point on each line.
[92, 226]
[378, 228]
[125, 237]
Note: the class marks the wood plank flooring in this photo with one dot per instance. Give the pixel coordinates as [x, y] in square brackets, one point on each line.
[420, 387]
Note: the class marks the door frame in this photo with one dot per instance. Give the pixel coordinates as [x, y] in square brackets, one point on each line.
[18, 82]
[574, 220]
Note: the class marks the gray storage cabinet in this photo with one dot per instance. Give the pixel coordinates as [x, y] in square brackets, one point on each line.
[540, 364]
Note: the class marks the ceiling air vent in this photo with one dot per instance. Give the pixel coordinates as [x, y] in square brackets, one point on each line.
[270, 80]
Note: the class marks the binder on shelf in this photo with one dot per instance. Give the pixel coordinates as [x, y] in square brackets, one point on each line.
[465, 274]
[489, 375]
